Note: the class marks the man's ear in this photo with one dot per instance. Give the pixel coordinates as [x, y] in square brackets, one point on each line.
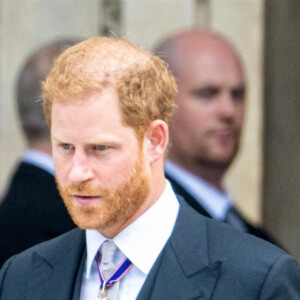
[157, 138]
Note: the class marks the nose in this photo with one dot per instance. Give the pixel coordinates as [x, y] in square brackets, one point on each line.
[81, 170]
[227, 105]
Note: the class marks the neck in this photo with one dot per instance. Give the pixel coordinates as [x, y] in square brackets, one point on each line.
[212, 174]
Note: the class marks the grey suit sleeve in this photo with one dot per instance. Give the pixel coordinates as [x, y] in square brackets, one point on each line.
[282, 281]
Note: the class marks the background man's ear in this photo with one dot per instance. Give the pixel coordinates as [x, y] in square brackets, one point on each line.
[157, 136]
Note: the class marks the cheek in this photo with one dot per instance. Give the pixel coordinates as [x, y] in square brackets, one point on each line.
[114, 173]
[191, 110]
[61, 169]
[60, 173]
[191, 120]
[240, 117]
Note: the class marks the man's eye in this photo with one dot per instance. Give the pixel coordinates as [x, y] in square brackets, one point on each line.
[205, 93]
[66, 146]
[101, 147]
[238, 94]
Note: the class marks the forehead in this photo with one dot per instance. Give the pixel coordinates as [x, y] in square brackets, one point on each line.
[212, 65]
[97, 115]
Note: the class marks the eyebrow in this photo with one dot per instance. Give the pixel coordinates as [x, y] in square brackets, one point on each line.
[96, 142]
[104, 141]
[54, 138]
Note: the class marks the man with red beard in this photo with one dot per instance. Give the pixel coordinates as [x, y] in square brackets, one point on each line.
[207, 123]
[108, 104]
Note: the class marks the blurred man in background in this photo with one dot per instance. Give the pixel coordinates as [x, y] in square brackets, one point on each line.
[32, 210]
[207, 124]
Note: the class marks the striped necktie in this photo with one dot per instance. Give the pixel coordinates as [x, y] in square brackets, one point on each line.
[107, 267]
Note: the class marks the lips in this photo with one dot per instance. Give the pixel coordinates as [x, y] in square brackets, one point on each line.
[224, 136]
[223, 133]
[85, 200]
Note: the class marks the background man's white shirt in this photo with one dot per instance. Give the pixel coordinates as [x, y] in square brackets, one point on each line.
[39, 159]
[212, 200]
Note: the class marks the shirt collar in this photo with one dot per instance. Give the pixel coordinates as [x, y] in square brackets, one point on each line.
[39, 159]
[214, 201]
[142, 240]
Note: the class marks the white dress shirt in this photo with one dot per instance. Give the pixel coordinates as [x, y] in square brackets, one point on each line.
[39, 159]
[212, 200]
[141, 242]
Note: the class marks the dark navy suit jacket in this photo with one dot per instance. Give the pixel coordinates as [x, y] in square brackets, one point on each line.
[31, 212]
[203, 259]
[257, 231]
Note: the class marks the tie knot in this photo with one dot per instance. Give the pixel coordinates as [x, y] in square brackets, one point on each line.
[109, 249]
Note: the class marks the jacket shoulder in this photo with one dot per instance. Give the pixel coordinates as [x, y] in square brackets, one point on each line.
[249, 266]
[222, 235]
[52, 250]
[34, 266]
[256, 265]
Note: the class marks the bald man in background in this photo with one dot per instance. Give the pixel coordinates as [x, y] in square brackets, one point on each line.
[32, 210]
[207, 124]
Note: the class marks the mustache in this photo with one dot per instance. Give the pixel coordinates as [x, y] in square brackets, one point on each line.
[85, 189]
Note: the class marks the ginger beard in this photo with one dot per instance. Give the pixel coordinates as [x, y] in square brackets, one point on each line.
[116, 206]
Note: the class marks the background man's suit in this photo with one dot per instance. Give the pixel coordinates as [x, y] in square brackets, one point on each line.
[203, 259]
[179, 190]
[31, 212]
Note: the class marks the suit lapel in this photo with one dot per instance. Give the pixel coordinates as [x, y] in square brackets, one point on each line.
[183, 270]
[55, 273]
[179, 190]
[77, 289]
